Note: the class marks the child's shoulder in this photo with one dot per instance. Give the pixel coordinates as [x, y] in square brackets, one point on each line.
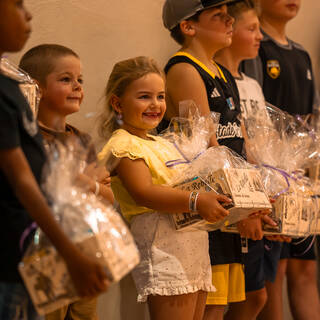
[291, 43]
[122, 144]
[10, 91]
[84, 137]
[248, 80]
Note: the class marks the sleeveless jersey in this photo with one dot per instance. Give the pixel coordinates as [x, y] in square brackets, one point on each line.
[223, 97]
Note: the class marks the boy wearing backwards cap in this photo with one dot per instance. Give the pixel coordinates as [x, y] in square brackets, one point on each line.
[202, 28]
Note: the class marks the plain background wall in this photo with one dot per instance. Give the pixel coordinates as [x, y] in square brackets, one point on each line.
[103, 32]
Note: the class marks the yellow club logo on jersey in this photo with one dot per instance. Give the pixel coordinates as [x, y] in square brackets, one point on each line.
[273, 68]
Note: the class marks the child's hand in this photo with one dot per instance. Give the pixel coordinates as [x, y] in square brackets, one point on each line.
[87, 275]
[279, 238]
[209, 207]
[250, 228]
[97, 173]
[260, 213]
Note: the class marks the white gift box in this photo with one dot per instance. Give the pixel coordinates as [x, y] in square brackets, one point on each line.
[294, 214]
[243, 186]
[47, 279]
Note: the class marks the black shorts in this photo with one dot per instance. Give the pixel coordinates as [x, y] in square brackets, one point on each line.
[300, 248]
[224, 248]
[260, 263]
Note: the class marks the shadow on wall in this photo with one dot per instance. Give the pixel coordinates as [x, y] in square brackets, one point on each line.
[120, 303]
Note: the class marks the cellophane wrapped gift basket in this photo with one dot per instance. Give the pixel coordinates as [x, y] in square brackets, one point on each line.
[89, 221]
[27, 85]
[216, 169]
[282, 147]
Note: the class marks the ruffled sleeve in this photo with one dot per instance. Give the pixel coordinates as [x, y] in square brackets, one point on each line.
[122, 145]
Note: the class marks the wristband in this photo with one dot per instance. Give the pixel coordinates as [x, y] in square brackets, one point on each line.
[193, 201]
[97, 190]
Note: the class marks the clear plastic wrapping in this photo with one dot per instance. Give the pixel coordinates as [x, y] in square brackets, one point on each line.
[90, 222]
[283, 146]
[27, 85]
[216, 169]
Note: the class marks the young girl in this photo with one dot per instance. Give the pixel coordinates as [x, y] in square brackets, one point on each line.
[174, 272]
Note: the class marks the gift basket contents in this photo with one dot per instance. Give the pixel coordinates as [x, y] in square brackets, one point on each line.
[89, 221]
[216, 169]
[311, 122]
[283, 147]
[27, 85]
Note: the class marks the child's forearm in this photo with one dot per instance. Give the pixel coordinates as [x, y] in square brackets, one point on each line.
[170, 200]
[20, 177]
[136, 177]
[88, 275]
[165, 199]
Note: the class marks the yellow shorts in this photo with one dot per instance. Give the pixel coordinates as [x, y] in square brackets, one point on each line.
[229, 282]
[83, 309]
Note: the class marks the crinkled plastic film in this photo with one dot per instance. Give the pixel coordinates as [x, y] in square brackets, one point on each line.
[216, 169]
[27, 85]
[283, 146]
[190, 133]
[90, 222]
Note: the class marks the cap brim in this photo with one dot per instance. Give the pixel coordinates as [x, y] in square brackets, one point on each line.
[220, 3]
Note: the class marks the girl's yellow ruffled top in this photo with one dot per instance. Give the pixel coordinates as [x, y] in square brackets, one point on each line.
[155, 152]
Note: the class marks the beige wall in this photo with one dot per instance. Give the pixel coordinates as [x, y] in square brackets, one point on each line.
[102, 32]
[105, 31]
[305, 29]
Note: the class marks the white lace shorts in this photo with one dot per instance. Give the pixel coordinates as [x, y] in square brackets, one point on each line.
[172, 262]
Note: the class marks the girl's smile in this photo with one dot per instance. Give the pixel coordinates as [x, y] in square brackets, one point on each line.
[142, 106]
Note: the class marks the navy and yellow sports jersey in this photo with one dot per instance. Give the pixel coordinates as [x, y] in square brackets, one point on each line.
[223, 97]
[285, 75]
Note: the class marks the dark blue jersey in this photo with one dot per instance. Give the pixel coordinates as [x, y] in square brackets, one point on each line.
[285, 75]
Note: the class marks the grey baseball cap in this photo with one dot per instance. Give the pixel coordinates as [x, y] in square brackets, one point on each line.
[174, 11]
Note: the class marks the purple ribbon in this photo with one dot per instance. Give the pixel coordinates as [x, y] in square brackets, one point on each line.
[285, 175]
[308, 248]
[26, 233]
[172, 163]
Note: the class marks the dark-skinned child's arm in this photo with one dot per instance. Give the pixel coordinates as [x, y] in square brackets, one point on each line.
[87, 275]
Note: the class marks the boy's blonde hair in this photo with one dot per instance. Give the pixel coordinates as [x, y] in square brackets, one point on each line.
[39, 61]
[122, 75]
[235, 10]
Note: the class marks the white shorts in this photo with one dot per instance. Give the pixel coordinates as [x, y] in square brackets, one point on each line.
[172, 262]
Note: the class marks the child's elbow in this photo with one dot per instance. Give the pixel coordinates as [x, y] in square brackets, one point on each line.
[140, 197]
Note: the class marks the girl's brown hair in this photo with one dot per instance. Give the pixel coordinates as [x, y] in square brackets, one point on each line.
[122, 75]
